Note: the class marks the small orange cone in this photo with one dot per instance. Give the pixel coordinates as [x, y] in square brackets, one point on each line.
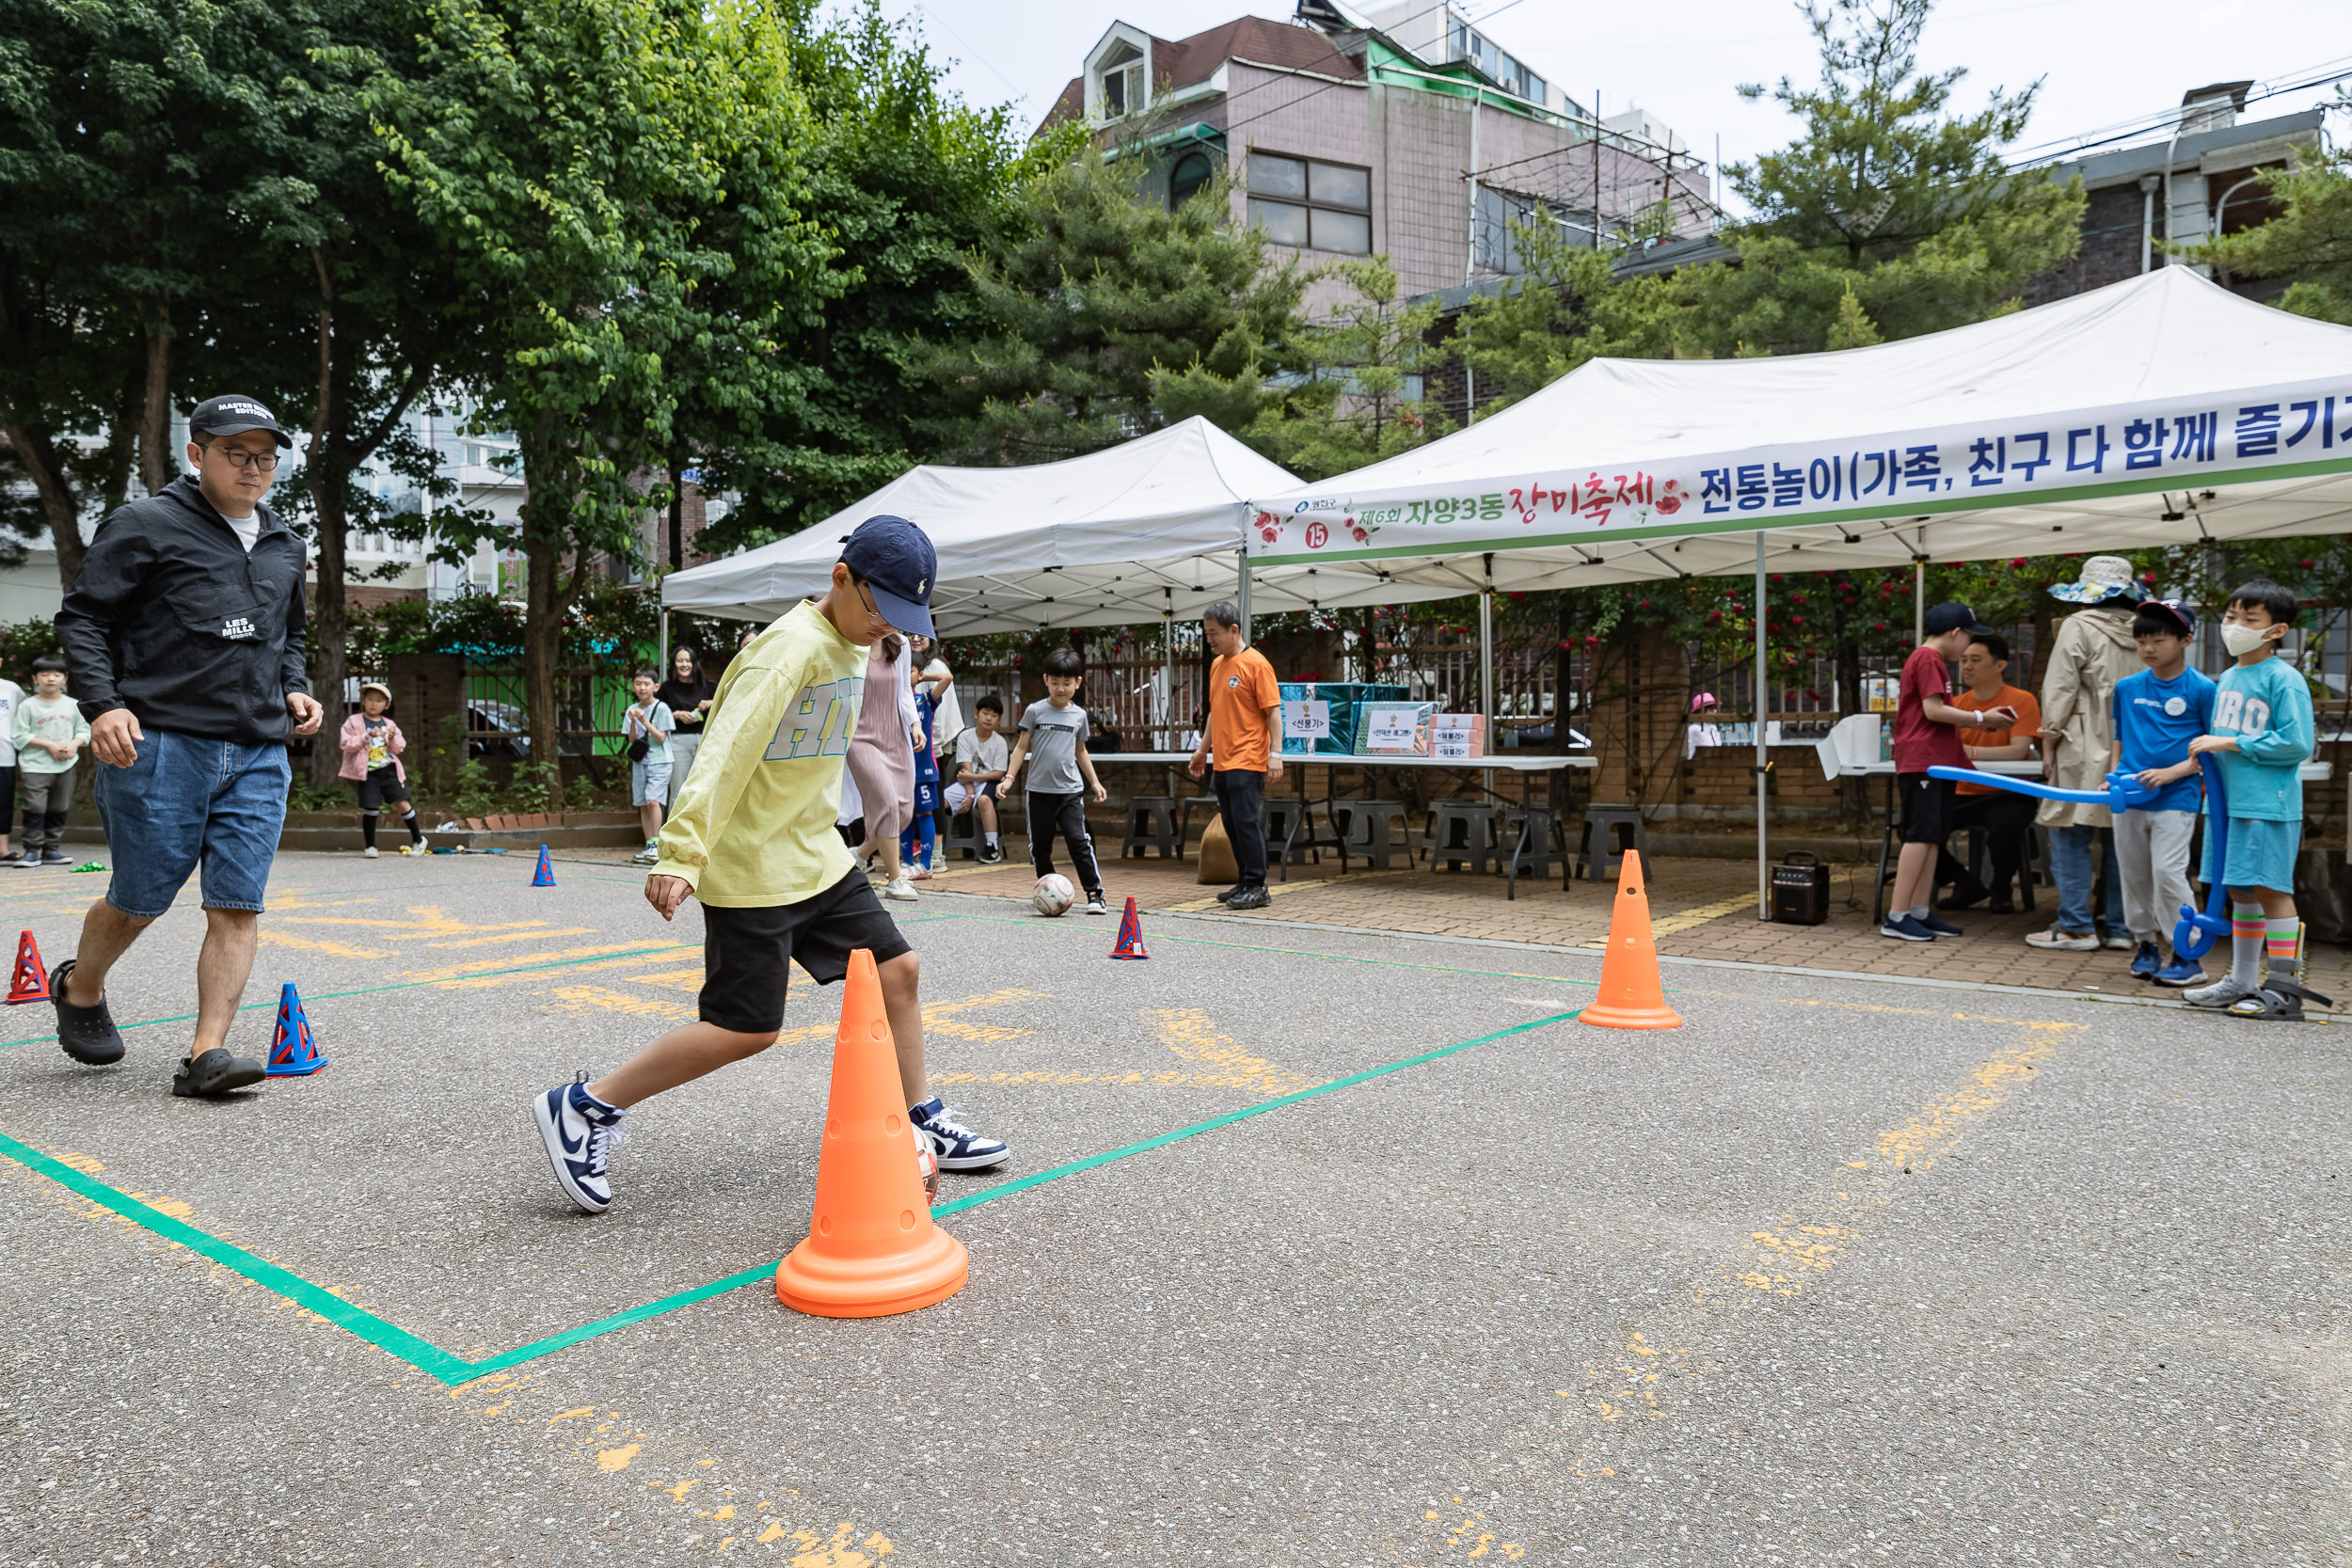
[30, 983]
[871, 1248]
[1631, 996]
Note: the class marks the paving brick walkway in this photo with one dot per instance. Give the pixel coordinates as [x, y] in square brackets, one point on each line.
[1699, 909]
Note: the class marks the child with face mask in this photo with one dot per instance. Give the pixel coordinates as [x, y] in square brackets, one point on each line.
[2262, 734]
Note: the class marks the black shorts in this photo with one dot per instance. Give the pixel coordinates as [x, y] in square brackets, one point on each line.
[1926, 805]
[748, 953]
[381, 784]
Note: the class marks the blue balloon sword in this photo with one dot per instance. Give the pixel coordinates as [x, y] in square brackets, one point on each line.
[2194, 937]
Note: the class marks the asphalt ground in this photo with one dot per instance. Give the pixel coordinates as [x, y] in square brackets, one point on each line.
[1842, 1270]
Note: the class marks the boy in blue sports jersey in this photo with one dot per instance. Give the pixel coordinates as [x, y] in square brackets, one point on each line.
[2158, 711]
[2262, 733]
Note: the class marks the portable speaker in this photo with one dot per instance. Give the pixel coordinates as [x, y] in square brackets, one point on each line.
[1801, 890]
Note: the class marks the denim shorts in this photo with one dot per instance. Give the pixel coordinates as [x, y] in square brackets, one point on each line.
[186, 800]
[650, 783]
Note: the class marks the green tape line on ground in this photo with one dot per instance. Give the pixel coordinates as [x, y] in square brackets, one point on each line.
[429, 1360]
[451, 1370]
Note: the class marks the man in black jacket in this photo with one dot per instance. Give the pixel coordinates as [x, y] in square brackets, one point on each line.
[184, 634]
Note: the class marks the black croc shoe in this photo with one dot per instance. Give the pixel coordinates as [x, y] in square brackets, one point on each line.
[217, 1072]
[87, 1034]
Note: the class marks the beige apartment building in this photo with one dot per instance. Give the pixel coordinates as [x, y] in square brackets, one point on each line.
[1404, 132]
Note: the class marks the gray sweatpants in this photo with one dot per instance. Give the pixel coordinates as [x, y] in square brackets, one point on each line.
[47, 798]
[2151, 849]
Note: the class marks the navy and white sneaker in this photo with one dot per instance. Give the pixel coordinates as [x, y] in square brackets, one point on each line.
[2181, 973]
[2146, 961]
[1938, 926]
[1905, 927]
[955, 1146]
[580, 1133]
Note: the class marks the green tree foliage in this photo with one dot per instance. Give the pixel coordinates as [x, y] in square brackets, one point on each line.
[146, 156]
[619, 179]
[1357, 398]
[911, 185]
[2311, 242]
[1886, 217]
[1098, 317]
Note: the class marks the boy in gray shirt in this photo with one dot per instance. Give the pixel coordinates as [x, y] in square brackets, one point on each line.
[1054, 733]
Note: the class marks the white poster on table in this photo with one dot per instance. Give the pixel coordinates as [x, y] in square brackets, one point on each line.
[1305, 719]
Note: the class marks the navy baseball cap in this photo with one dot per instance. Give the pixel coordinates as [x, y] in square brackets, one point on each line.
[2174, 611]
[1954, 617]
[897, 565]
[234, 416]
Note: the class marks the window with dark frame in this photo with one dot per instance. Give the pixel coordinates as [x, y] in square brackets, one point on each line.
[1312, 204]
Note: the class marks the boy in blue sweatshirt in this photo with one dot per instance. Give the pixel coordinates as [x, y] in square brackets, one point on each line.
[2158, 712]
[2262, 734]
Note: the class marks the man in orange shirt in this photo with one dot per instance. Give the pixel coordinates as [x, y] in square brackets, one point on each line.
[2006, 818]
[1244, 718]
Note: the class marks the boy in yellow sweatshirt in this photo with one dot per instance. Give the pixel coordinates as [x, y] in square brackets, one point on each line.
[752, 835]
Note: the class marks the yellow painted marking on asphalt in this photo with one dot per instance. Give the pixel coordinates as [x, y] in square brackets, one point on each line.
[942, 1018]
[308, 944]
[686, 979]
[1806, 1243]
[473, 973]
[426, 920]
[1057, 1076]
[1188, 1032]
[612, 1460]
[585, 1001]
[1279, 890]
[535, 935]
[1686, 919]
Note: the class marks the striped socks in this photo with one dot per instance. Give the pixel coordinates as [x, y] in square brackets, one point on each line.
[2286, 948]
[2247, 932]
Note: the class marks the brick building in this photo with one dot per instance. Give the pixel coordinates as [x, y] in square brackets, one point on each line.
[2214, 159]
[1404, 132]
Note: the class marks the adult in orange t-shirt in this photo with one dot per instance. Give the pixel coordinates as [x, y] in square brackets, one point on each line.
[1244, 716]
[2006, 818]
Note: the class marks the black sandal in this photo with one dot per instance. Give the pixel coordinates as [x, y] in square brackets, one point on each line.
[87, 1034]
[217, 1072]
[2279, 1002]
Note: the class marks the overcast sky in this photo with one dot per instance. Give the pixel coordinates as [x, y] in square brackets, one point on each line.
[2103, 61]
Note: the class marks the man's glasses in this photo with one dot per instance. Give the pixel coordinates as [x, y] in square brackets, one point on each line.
[240, 458]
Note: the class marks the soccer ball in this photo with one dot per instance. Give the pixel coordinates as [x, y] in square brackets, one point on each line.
[1054, 894]
[926, 1165]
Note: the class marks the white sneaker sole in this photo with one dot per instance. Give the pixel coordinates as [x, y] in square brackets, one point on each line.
[551, 1144]
[975, 1162]
[1891, 935]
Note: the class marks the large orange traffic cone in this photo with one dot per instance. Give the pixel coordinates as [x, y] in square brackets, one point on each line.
[871, 1249]
[1631, 996]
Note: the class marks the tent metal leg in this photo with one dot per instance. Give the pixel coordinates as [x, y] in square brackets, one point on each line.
[1762, 706]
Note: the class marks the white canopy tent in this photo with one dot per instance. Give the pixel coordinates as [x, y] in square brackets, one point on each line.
[1146, 531]
[2160, 410]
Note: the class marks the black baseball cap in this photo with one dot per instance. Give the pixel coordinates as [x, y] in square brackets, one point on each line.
[2172, 611]
[234, 416]
[897, 565]
[1954, 617]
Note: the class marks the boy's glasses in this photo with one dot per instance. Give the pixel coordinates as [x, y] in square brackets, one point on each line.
[238, 457]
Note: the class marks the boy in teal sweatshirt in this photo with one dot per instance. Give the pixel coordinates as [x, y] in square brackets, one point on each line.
[2262, 734]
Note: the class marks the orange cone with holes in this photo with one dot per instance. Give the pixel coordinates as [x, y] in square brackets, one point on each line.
[871, 1249]
[1632, 994]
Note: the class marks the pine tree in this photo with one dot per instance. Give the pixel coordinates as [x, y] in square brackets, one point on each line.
[1358, 397]
[1853, 328]
[2309, 241]
[1095, 303]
